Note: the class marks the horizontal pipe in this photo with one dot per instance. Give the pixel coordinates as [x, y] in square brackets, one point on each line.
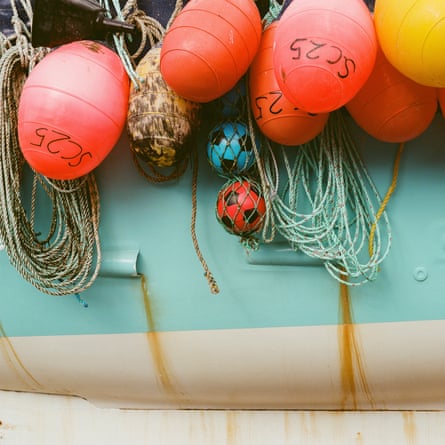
[280, 254]
[119, 263]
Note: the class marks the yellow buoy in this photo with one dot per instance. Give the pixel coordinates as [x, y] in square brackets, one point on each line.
[412, 36]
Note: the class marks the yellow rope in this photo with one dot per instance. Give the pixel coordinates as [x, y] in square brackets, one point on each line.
[388, 195]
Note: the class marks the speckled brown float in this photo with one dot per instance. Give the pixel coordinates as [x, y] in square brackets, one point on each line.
[160, 123]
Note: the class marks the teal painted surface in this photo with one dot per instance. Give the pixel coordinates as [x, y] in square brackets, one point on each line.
[155, 219]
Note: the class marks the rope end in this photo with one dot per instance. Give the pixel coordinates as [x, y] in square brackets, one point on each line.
[212, 283]
[81, 300]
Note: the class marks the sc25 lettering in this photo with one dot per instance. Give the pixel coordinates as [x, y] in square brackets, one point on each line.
[270, 102]
[304, 48]
[60, 144]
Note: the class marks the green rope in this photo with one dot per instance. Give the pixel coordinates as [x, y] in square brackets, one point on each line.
[272, 14]
[66, 260]
[323, 202]
[150, 30]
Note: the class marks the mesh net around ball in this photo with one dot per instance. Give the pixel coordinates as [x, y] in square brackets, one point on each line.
[229, 148]
[240, 207]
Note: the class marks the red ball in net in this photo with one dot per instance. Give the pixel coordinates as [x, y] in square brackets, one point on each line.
[209, 47]
[324, 52]
[72, 109]
[390, 106]
[240, 207]
[276, 116]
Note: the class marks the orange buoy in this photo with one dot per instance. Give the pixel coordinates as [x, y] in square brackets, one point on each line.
[390, 106]
[324, 52]
[276, 116]
[72, 109]
[209, 47]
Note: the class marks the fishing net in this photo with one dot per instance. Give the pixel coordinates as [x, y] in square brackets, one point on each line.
[322, 200]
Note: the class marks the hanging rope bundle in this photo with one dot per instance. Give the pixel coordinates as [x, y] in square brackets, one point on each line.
[323, 201]
[66, 260]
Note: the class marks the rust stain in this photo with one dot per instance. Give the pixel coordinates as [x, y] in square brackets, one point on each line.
[15, 363]
[287, 426]
[165, 379]
[313, 422]
[353, 376]
[207, 430]
[231, 427]
[409, 426]
[303, 425]
[6, 426]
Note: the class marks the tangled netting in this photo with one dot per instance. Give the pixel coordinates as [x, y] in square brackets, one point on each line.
[322, 200]
[66, 259]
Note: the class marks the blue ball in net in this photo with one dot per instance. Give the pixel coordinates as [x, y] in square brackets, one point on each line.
[229, 148]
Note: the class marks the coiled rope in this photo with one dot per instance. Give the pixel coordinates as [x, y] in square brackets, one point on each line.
[66, 259]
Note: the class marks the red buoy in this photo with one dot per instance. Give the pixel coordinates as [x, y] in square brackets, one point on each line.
[390, 106]
[209, 47]
[276, 116]
[324, 52]
[72, 109]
